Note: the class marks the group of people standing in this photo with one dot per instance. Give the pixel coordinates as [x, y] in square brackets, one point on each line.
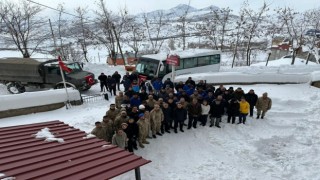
[157, 108]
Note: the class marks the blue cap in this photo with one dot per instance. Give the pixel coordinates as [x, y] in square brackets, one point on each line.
[141, 115]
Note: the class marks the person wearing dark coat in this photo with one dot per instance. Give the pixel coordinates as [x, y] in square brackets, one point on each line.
[251, 98]
[163, 94]
[202, 85]
[111, 83]
[220, 90]
[103, 81]
[126, 83]
[194, 113]
[216, 111]
[238, 93]
[132, 131]
[180, 115]
[133, 76]
[143, 95]
[129, 92]
[117, 77]
[210, 97]
[179, 85]
[134, 113]
[167, 118]
[233, 110]
[168, 83]
[191, 82]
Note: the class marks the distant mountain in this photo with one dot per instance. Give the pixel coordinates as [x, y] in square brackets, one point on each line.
[180, 10]
[209, 8]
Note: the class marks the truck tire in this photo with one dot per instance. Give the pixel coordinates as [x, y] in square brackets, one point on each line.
[61, 86]
[16, 88]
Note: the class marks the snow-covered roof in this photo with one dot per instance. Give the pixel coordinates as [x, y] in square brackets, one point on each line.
[183, 54]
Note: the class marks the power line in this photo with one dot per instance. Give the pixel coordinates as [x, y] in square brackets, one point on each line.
[53, 8]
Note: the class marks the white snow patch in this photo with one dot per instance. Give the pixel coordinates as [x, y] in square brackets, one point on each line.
[247, 77]
[9, 178]
[286, 61]
[39, 98]
[89, 136]
[106, 145]
[46, 134]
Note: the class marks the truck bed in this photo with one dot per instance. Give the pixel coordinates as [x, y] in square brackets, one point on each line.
[22, 70]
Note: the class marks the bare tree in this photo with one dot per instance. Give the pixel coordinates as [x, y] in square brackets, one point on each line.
[237, 35]
[135, 35]
[222, 19]
[253, 20]
[154, 25]
[84, 33]
[23, 26]
[208, 28]
[104, 30]
[312, 39]
[182, 25]
[295, 26]
[61, 31]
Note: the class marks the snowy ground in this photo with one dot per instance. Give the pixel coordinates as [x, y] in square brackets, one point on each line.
[285, 145]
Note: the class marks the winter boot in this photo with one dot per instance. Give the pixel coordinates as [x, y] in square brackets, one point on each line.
[141, 145]
[258, 117]
[145, 142]
[261, 117]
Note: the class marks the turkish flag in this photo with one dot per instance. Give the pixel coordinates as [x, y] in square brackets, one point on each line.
[63, 66]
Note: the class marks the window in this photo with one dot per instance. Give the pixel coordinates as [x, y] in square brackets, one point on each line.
[203, 61]
[189, 63]
[177, 67]
[146, 66]
[215, 59]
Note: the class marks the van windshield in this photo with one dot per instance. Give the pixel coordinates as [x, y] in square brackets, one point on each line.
[147, 66]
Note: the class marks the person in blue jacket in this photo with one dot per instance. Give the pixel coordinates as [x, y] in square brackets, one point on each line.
[135, 100]
[157, 85]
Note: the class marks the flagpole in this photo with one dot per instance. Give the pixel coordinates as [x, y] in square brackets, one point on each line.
[59, 58]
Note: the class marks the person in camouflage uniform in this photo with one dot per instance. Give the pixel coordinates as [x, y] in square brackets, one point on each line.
[263, 105]
[122, 118]
[112, 112]
[143, 130]
[156, 117]
[119, 100]
[107, 124]
[99, 131]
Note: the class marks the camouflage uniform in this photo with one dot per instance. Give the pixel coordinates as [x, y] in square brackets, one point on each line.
[108, 126]
[118, 101]
[112, 113]
[100, 133]
[143, 131]
[120, 119]
[156, 117]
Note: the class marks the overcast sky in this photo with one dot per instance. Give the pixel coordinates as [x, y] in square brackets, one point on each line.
[138, 6]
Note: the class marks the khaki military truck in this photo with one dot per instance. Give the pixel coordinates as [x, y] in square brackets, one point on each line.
[18, 73]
